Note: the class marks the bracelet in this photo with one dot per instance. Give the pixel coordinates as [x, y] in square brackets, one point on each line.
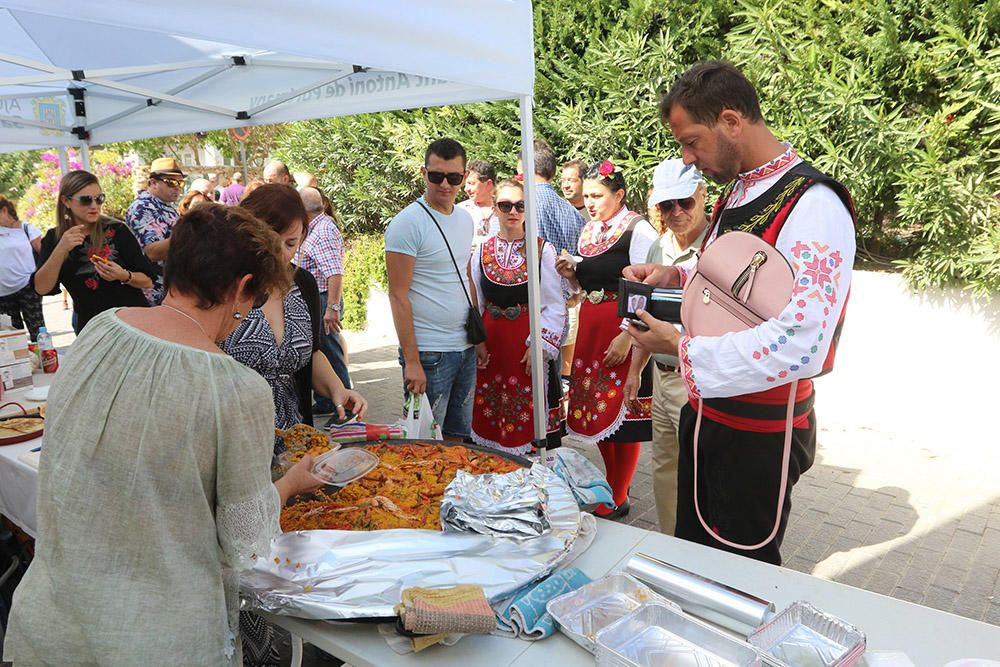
[126, 282]
[334, 307]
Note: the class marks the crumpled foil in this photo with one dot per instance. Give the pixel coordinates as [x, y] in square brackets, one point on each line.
[513, 504]
[345, 575]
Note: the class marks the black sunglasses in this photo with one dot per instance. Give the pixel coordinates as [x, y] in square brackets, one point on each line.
[87, 200]
[507, 206]
[686, 204]
[454, 177]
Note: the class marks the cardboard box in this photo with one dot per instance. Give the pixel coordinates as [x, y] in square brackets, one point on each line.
[16, 375]
[13, 346]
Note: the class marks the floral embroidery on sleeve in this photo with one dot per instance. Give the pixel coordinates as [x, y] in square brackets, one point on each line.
[687, 372]
[817, 283]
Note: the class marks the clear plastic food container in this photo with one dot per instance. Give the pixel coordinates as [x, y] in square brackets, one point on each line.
[803, 636]
[655, 635]
[582, 613]
[343, 466]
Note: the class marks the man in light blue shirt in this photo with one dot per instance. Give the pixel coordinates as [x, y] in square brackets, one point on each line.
[428, 295]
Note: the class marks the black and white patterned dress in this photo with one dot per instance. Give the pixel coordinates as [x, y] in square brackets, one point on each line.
[253, 344]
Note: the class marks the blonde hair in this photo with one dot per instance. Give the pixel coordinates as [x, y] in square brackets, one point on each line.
[70, 184]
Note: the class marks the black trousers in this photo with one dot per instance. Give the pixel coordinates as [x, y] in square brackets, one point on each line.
[25, 309]
[739, 473]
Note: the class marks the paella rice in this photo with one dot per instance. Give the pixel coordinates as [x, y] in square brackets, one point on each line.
[403, 491]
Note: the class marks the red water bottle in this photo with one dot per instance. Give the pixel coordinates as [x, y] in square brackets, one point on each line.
[50, 358]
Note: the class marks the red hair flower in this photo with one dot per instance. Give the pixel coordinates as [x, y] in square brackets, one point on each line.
[608, 168]
[519, 178]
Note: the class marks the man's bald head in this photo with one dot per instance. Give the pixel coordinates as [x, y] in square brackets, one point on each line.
[276, 171]
[312, 200]
[304, 179]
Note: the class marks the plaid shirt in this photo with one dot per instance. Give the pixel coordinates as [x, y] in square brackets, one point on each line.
[151, 219]
[558, 222]
[322, 251]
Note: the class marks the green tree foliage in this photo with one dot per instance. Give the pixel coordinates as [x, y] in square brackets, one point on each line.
[900, 100]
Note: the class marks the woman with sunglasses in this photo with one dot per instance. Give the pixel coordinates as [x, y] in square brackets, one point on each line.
[96, 258]
[502, 416]
[598, 413]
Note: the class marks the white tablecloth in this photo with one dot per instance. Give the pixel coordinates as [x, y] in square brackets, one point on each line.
[19, 481]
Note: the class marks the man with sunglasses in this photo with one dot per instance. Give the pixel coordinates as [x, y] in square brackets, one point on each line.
[427, 260]
[679, 198]
[152, 217]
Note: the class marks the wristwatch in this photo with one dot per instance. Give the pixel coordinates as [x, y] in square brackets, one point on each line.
[333, 306]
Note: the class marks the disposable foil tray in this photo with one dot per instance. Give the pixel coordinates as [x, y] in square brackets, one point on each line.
[582, 613]
[803, 636]
[655, 635]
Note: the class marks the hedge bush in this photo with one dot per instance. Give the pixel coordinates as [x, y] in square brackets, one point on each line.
[900, 101]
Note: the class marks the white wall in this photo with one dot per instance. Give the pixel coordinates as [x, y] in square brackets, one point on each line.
[922, 365]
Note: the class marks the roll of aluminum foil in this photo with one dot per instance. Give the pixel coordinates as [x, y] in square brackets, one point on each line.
[513, 504]
[345, 575]
[700, 596]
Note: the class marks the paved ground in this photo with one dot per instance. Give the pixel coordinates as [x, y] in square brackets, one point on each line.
[887, 506]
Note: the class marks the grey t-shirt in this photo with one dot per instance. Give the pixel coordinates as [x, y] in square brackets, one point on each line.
[436, 294]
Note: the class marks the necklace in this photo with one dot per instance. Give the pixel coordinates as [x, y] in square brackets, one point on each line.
[178, 310]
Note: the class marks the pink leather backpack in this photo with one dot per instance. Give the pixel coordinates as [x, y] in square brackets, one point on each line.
[740, 282]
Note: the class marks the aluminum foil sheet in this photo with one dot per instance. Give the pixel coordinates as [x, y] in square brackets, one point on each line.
[345, 575]
[513, 504]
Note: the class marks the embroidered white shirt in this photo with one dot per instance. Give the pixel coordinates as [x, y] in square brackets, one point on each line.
[818, 241]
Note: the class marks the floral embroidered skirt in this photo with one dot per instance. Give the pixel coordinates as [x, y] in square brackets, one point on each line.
[502, 416]
[597, 409]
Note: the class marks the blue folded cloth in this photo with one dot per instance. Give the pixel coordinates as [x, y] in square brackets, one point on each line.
[524, 615]
[588, 485]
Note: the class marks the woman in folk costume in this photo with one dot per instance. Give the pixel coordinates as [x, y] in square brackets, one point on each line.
[598, 412]
[502, 416]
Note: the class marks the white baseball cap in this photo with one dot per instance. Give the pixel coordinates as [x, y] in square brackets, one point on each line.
[672, 179]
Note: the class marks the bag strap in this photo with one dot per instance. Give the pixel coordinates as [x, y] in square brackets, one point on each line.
[450, 253]
[782, 488]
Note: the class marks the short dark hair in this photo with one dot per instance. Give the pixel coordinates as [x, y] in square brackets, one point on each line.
[579, 165]
[709, 88]
[212, 246]
[545, 159]
[9, 206]
[484, 170]
[615, 181]
[278, 205]
[446, 149]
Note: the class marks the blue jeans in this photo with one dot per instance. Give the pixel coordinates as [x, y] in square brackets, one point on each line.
[333, 349]
[451, 378]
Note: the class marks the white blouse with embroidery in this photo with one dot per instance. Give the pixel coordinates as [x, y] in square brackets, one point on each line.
[509, 256]
[818, 241]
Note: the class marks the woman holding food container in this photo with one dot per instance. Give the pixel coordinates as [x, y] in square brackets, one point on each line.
[96, 258]
[154, 484]
[598, 411]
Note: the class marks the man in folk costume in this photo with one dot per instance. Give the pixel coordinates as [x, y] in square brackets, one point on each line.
[744, 378]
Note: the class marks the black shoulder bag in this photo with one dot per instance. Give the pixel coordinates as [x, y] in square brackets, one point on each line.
[475, 330]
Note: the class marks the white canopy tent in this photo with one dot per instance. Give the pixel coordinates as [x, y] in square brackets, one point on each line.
[115, 70]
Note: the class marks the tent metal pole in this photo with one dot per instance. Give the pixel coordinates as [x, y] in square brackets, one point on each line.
[538, 366]
[63, 160]
[85, 155]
